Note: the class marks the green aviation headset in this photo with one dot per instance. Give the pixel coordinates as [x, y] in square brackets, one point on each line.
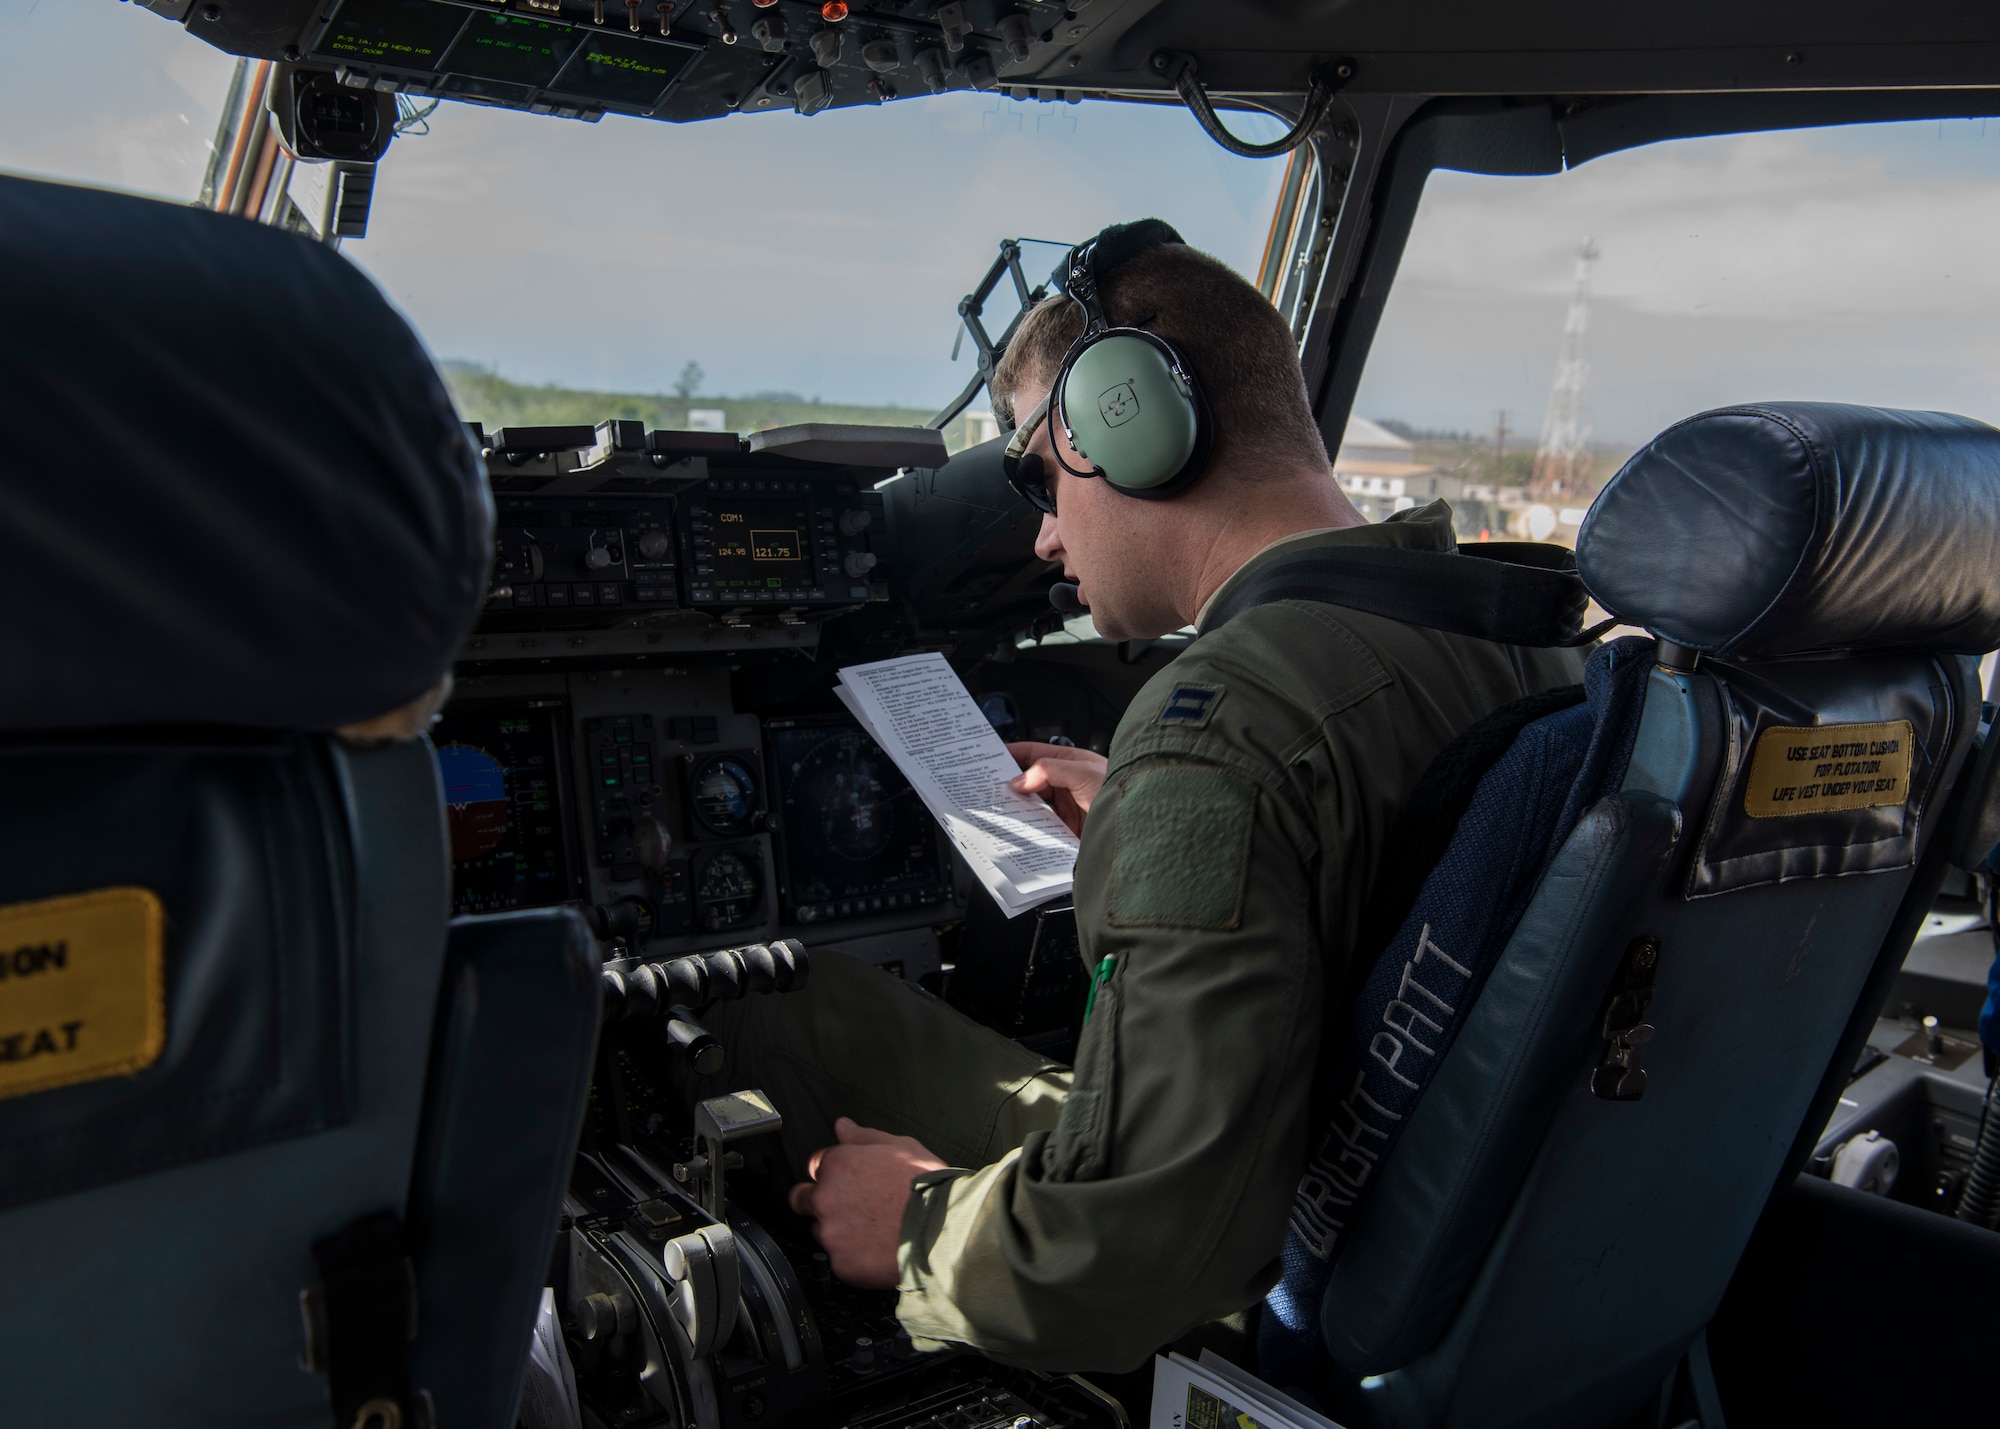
[1126, 398]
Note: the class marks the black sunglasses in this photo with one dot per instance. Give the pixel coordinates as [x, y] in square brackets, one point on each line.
[1025, 470]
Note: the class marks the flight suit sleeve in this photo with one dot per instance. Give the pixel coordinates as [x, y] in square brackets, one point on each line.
[1159, 1200]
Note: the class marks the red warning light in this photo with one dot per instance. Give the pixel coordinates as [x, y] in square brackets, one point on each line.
[833, 11]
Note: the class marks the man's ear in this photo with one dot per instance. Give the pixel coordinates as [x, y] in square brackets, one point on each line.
[403, 723]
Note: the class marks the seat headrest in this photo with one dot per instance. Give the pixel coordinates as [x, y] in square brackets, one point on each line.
[1795, 527]
[234, 489]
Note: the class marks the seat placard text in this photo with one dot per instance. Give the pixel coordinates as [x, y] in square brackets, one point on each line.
[82, 988]
[1828, 768]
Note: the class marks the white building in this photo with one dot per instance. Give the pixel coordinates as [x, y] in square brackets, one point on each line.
[1380, 472]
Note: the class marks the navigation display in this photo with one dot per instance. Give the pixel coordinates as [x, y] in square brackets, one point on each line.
[854, 837]
[410, 34]
[619, 70]
[511, 49]
[502, 793]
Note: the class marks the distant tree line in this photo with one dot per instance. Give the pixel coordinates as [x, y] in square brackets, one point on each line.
[1410, 432]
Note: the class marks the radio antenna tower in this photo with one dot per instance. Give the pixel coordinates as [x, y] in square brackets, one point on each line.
[1562, 464]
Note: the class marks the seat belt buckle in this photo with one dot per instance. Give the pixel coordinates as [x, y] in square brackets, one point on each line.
[1620, 1075]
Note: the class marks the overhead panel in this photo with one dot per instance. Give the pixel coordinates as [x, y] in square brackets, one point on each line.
[669, 59]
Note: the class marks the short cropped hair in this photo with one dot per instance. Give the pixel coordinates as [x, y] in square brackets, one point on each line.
[1240, 348]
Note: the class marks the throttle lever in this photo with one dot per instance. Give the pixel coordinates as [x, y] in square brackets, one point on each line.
[679, 984]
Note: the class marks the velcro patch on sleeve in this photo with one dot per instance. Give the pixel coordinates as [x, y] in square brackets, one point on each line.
[1190, 706]
[82, 988]
[1183, 850]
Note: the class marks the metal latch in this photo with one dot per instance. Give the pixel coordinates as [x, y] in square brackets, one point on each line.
[718, 1123]
[1619, 1075]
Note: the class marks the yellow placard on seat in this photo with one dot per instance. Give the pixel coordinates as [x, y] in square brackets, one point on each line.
[1828, 768]
[82, 988]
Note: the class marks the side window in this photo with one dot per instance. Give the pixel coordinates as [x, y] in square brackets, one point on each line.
[1542, 329]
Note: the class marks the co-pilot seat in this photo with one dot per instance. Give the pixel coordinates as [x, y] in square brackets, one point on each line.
[276, 1146]
[1664, 1031]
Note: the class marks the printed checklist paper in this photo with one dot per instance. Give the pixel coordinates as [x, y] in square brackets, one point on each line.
[925, 719]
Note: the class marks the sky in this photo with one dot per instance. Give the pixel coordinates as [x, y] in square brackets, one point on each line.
[1855, 264]
[825, 256]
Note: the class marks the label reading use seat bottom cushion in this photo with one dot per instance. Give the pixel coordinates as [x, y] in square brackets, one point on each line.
[82, 989]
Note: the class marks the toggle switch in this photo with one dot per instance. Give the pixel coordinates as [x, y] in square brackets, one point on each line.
[935, 69]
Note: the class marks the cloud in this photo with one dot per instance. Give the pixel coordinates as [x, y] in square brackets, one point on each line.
[828, 255]
[1847, 264]
[825, 255]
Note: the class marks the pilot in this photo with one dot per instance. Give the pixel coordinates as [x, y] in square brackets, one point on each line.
[1080, 1218]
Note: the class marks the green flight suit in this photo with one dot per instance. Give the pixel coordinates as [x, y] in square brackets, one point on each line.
[1097, 1214]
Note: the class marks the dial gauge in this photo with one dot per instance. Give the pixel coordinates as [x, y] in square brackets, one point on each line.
[723, 793]
[727, 890]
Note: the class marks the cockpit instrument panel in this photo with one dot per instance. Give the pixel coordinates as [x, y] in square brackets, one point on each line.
[756, 542]
[574, 560]
[503, 58]
[502, 775]
[856, 839]
[770, 540]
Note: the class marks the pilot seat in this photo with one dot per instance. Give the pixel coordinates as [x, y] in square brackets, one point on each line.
[1609, 1023]
[278, 1145]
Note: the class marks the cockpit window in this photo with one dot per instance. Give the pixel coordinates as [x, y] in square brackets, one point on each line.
[739, 273]
[1541, 329]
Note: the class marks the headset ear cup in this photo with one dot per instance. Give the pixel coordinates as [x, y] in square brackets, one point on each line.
[1132, 412]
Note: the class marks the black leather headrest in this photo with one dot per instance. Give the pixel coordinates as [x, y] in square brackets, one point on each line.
[234, 489]
[1793, 527]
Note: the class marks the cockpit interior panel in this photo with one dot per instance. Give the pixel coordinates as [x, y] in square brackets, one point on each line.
[655, 805]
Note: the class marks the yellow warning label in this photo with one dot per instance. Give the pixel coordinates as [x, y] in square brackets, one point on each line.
[1827, 768]
[82, 988]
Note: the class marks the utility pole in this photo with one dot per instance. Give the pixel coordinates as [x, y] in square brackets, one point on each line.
[1562, 463]
[1499, 445]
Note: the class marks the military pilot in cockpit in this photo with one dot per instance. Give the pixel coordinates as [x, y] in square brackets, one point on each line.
[1079, 1218]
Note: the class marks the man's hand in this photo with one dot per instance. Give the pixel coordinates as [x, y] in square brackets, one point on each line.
[1067, 778]
[856, 1197]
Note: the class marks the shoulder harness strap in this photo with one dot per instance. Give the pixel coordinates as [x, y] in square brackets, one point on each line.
[1512, 592]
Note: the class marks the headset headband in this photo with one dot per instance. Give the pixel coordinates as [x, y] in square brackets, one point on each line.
[1091, 261]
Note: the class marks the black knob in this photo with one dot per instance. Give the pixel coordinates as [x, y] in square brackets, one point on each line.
[625, 918]
[653, 545]
[597, 558]
[603, 1317]
[703, 1052]
[652, 844]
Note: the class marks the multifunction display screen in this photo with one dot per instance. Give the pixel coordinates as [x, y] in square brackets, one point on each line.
[409, 34]
[750, 548]
[854, 837]
[512, 49]
[479, 50]
[503, 806]
[621, 71]
[759, 542]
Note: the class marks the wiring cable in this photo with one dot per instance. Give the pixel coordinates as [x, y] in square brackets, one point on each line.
[1327, 81]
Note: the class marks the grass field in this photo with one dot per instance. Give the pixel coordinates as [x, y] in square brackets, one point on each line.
[485, 397]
